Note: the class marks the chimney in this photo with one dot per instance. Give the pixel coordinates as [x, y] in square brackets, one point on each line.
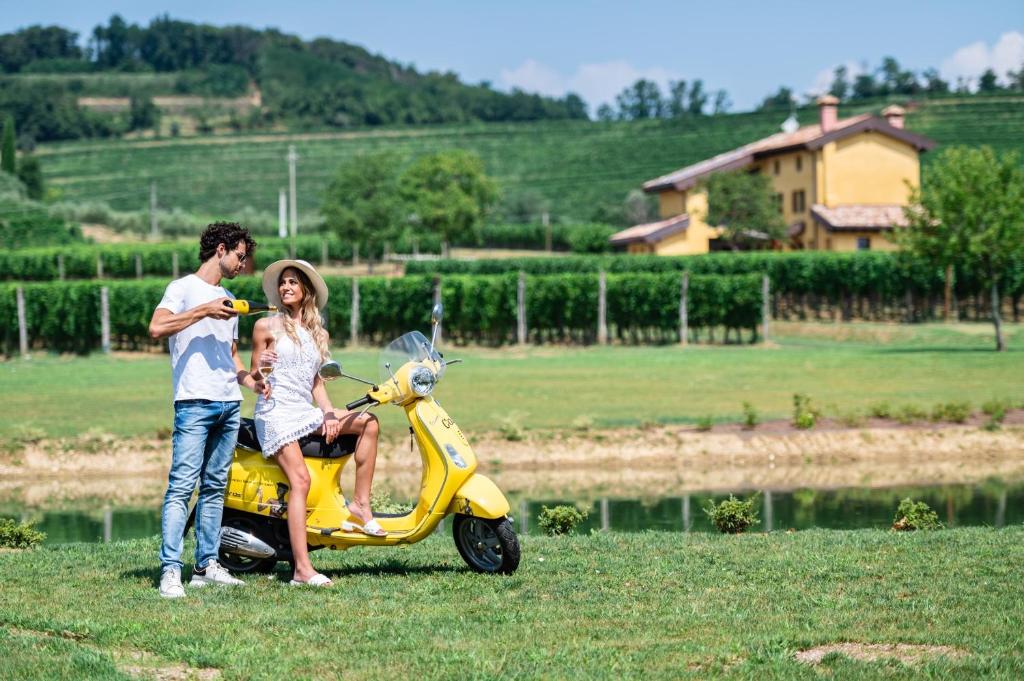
[894, 115]
[828, 112]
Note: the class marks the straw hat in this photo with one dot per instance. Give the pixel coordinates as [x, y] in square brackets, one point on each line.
[273, 273]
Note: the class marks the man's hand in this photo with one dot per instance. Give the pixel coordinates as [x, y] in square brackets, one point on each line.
[262, 387]
[218, 310]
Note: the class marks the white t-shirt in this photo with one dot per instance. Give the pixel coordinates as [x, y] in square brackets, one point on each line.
[201, 363]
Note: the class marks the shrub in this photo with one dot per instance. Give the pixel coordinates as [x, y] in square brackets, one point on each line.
[915, 515]
[910, 413]
[14, 535]
[732, 516]
[583, 423]
[805, 414]
[995, 409]
[382, 503]
[953, 412]
[510, 426]
[560, 519]
[881, 410]
[750, 416]
[705, 423]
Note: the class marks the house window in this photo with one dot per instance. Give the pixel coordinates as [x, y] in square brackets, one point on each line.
[799, 163]
[863, 243]
[779, 198]
[798, 201]
[775, 167]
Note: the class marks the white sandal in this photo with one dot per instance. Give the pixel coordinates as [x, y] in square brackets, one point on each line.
[372, 528]
[316, 580]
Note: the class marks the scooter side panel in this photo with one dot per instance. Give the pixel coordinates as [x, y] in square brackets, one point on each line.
[481, 498]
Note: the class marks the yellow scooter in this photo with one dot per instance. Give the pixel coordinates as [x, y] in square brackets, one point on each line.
[254, 534]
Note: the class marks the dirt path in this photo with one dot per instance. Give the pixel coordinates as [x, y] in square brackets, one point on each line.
[632, 462]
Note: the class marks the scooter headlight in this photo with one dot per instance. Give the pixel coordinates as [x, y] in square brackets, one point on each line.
[422, 381]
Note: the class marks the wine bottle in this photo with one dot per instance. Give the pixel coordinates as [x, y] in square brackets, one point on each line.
[249, 306]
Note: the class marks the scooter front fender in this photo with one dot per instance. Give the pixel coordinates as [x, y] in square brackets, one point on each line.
[479, 497]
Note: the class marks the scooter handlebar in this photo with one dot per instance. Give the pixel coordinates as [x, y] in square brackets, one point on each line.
[362, 401]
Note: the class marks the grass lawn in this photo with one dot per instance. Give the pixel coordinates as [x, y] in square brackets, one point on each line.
[843, 368]
[648, 605]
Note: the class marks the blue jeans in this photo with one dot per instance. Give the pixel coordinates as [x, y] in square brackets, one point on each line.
[205, 433]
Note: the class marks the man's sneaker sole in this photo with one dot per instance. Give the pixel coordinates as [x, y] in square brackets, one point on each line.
[164, 594]
[199, 581]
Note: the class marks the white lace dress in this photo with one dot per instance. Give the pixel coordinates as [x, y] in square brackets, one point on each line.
[289, 413]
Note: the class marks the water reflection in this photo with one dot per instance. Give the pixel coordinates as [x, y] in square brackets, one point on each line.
[992, 504]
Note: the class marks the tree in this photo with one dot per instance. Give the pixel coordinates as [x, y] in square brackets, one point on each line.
[449, 193]
[840, 87]
[934, 84]
[31, 174]
[744, 205]
[8, 152]
[675, 105]
[782, 100]
[640, 100]
[722, 103]
[363, 204]
[143, 114]
[697, 98]
[864, 86]
[988, 82]
[969, 213]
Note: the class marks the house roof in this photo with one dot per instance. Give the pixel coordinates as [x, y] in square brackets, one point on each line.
[808, 137]
[858, 217]
[651, 232]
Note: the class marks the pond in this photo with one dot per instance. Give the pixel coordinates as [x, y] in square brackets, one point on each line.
[992, 503]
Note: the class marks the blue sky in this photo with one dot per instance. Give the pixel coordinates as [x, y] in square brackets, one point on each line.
[596, 48]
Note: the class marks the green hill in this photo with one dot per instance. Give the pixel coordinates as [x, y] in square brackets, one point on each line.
[575, 165]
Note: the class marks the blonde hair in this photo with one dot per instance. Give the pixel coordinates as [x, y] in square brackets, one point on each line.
[309, 316]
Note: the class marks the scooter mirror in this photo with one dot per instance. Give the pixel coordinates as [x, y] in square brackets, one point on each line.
[330, 370]
[437, 314]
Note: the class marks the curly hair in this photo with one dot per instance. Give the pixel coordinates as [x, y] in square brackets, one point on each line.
[227, 233]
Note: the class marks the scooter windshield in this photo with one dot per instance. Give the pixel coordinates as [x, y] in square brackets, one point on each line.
[412, 347]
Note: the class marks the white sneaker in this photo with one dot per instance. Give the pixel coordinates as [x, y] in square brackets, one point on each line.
[214, 574]
[170, 583]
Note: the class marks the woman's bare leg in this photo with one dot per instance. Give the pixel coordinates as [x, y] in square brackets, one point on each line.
[291, 462]
[367, 428]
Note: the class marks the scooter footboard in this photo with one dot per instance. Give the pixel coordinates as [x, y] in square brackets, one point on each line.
[479, 497]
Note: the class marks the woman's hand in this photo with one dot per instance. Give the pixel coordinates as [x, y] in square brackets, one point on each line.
[331, 427]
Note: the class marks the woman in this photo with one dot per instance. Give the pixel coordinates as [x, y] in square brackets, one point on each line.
[300, 341]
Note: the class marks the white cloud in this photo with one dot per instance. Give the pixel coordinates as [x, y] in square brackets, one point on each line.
[595, 83]
[532, 76]
[970, 61]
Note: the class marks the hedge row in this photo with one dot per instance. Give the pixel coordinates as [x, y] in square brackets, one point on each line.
[119, 260]
[65, 316]
[870, 285]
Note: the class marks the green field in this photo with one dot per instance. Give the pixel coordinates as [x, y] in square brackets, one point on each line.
[843, 368]
[574, 165]
[600, 606]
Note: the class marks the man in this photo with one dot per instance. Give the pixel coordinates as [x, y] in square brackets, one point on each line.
[206, 371]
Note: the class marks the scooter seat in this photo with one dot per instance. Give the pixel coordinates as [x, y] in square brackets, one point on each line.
[312, 446]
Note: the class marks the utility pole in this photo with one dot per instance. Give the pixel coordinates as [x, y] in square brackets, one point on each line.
[154, 229]
[282, 213]
[292, 209]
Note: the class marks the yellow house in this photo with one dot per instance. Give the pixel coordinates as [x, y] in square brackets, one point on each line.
[841, 186]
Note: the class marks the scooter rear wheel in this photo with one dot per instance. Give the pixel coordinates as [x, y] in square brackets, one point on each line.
[238, 563]
[489, 546]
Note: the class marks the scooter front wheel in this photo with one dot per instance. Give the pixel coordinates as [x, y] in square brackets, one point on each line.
[489, 546]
